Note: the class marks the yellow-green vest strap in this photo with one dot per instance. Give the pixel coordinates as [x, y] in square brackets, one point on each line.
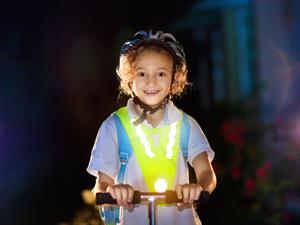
[156, 159]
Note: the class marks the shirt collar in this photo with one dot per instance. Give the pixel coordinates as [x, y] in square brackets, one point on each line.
[171, 114]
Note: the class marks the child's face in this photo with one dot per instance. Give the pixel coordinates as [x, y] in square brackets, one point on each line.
[152, 77]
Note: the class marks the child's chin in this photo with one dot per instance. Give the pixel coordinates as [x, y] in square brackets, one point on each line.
[153, 105]
[152, 102]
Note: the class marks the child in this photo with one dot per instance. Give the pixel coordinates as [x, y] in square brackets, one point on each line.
[150, 138]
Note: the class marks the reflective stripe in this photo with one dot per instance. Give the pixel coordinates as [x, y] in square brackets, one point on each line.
[144, 141]
[171, 142]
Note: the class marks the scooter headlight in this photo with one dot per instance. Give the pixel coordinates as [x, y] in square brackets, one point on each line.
[160, 185]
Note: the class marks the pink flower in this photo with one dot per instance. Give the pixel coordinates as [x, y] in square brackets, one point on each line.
[268, 165]
[286, 217]
[262, 171]
[232, 132]
[249, 186]
[235, 172]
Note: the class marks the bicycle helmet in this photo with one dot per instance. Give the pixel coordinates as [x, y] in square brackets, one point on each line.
[164, 40]
[160, 39]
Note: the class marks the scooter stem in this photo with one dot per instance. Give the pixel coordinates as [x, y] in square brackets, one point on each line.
[151, 199]
[152, 211]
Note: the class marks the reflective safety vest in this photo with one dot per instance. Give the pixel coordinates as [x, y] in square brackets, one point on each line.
[156, 150]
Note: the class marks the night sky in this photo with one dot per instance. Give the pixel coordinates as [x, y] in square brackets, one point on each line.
[57, 84]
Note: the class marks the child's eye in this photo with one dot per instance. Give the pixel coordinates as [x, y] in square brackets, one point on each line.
[161, 74]
[141, 74]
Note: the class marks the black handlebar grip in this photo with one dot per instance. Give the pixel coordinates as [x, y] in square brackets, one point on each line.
[171, 197]
[136, 197]
[106, 198]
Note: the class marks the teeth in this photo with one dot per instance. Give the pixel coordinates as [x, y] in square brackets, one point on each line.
[151, 92]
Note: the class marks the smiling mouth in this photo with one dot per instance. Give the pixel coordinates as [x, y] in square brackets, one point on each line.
[150, 92]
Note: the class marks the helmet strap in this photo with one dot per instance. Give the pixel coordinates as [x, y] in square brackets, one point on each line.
[146, 108]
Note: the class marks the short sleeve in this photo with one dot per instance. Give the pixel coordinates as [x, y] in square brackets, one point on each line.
[198, 142]
[104, 155]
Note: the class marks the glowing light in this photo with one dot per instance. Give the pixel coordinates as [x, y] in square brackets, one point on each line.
[171, 140]
[144, 141]
[88, 196]
[169, 148]
[160, 185]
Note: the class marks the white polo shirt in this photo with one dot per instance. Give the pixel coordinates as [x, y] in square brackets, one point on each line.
[105, 158]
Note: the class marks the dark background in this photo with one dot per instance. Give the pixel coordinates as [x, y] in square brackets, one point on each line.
[58, 83]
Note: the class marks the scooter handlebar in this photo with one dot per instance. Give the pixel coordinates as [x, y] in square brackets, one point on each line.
[106, 198]
[169, 197]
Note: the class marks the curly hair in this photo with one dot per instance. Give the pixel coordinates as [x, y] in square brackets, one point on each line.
[125, 71]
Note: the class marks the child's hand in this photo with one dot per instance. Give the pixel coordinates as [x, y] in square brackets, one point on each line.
[188, 192]
[123, 193]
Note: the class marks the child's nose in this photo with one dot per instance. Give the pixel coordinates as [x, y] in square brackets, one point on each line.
[151, 79]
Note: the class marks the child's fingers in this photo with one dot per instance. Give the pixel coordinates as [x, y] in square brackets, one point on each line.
[130, 193]
[198, 192]
[192, 193]
[111, 191]
[118, 194]
[188, 192]
[185, 193]
[127, 193]
[182, 192]
[182, 206]
[178, 190]
[123, 193]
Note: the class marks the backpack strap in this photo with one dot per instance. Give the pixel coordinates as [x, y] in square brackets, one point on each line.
[111, 215]
[126, 151]
[185, 135]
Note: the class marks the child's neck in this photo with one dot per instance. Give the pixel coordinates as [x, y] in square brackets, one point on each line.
[155, 118]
